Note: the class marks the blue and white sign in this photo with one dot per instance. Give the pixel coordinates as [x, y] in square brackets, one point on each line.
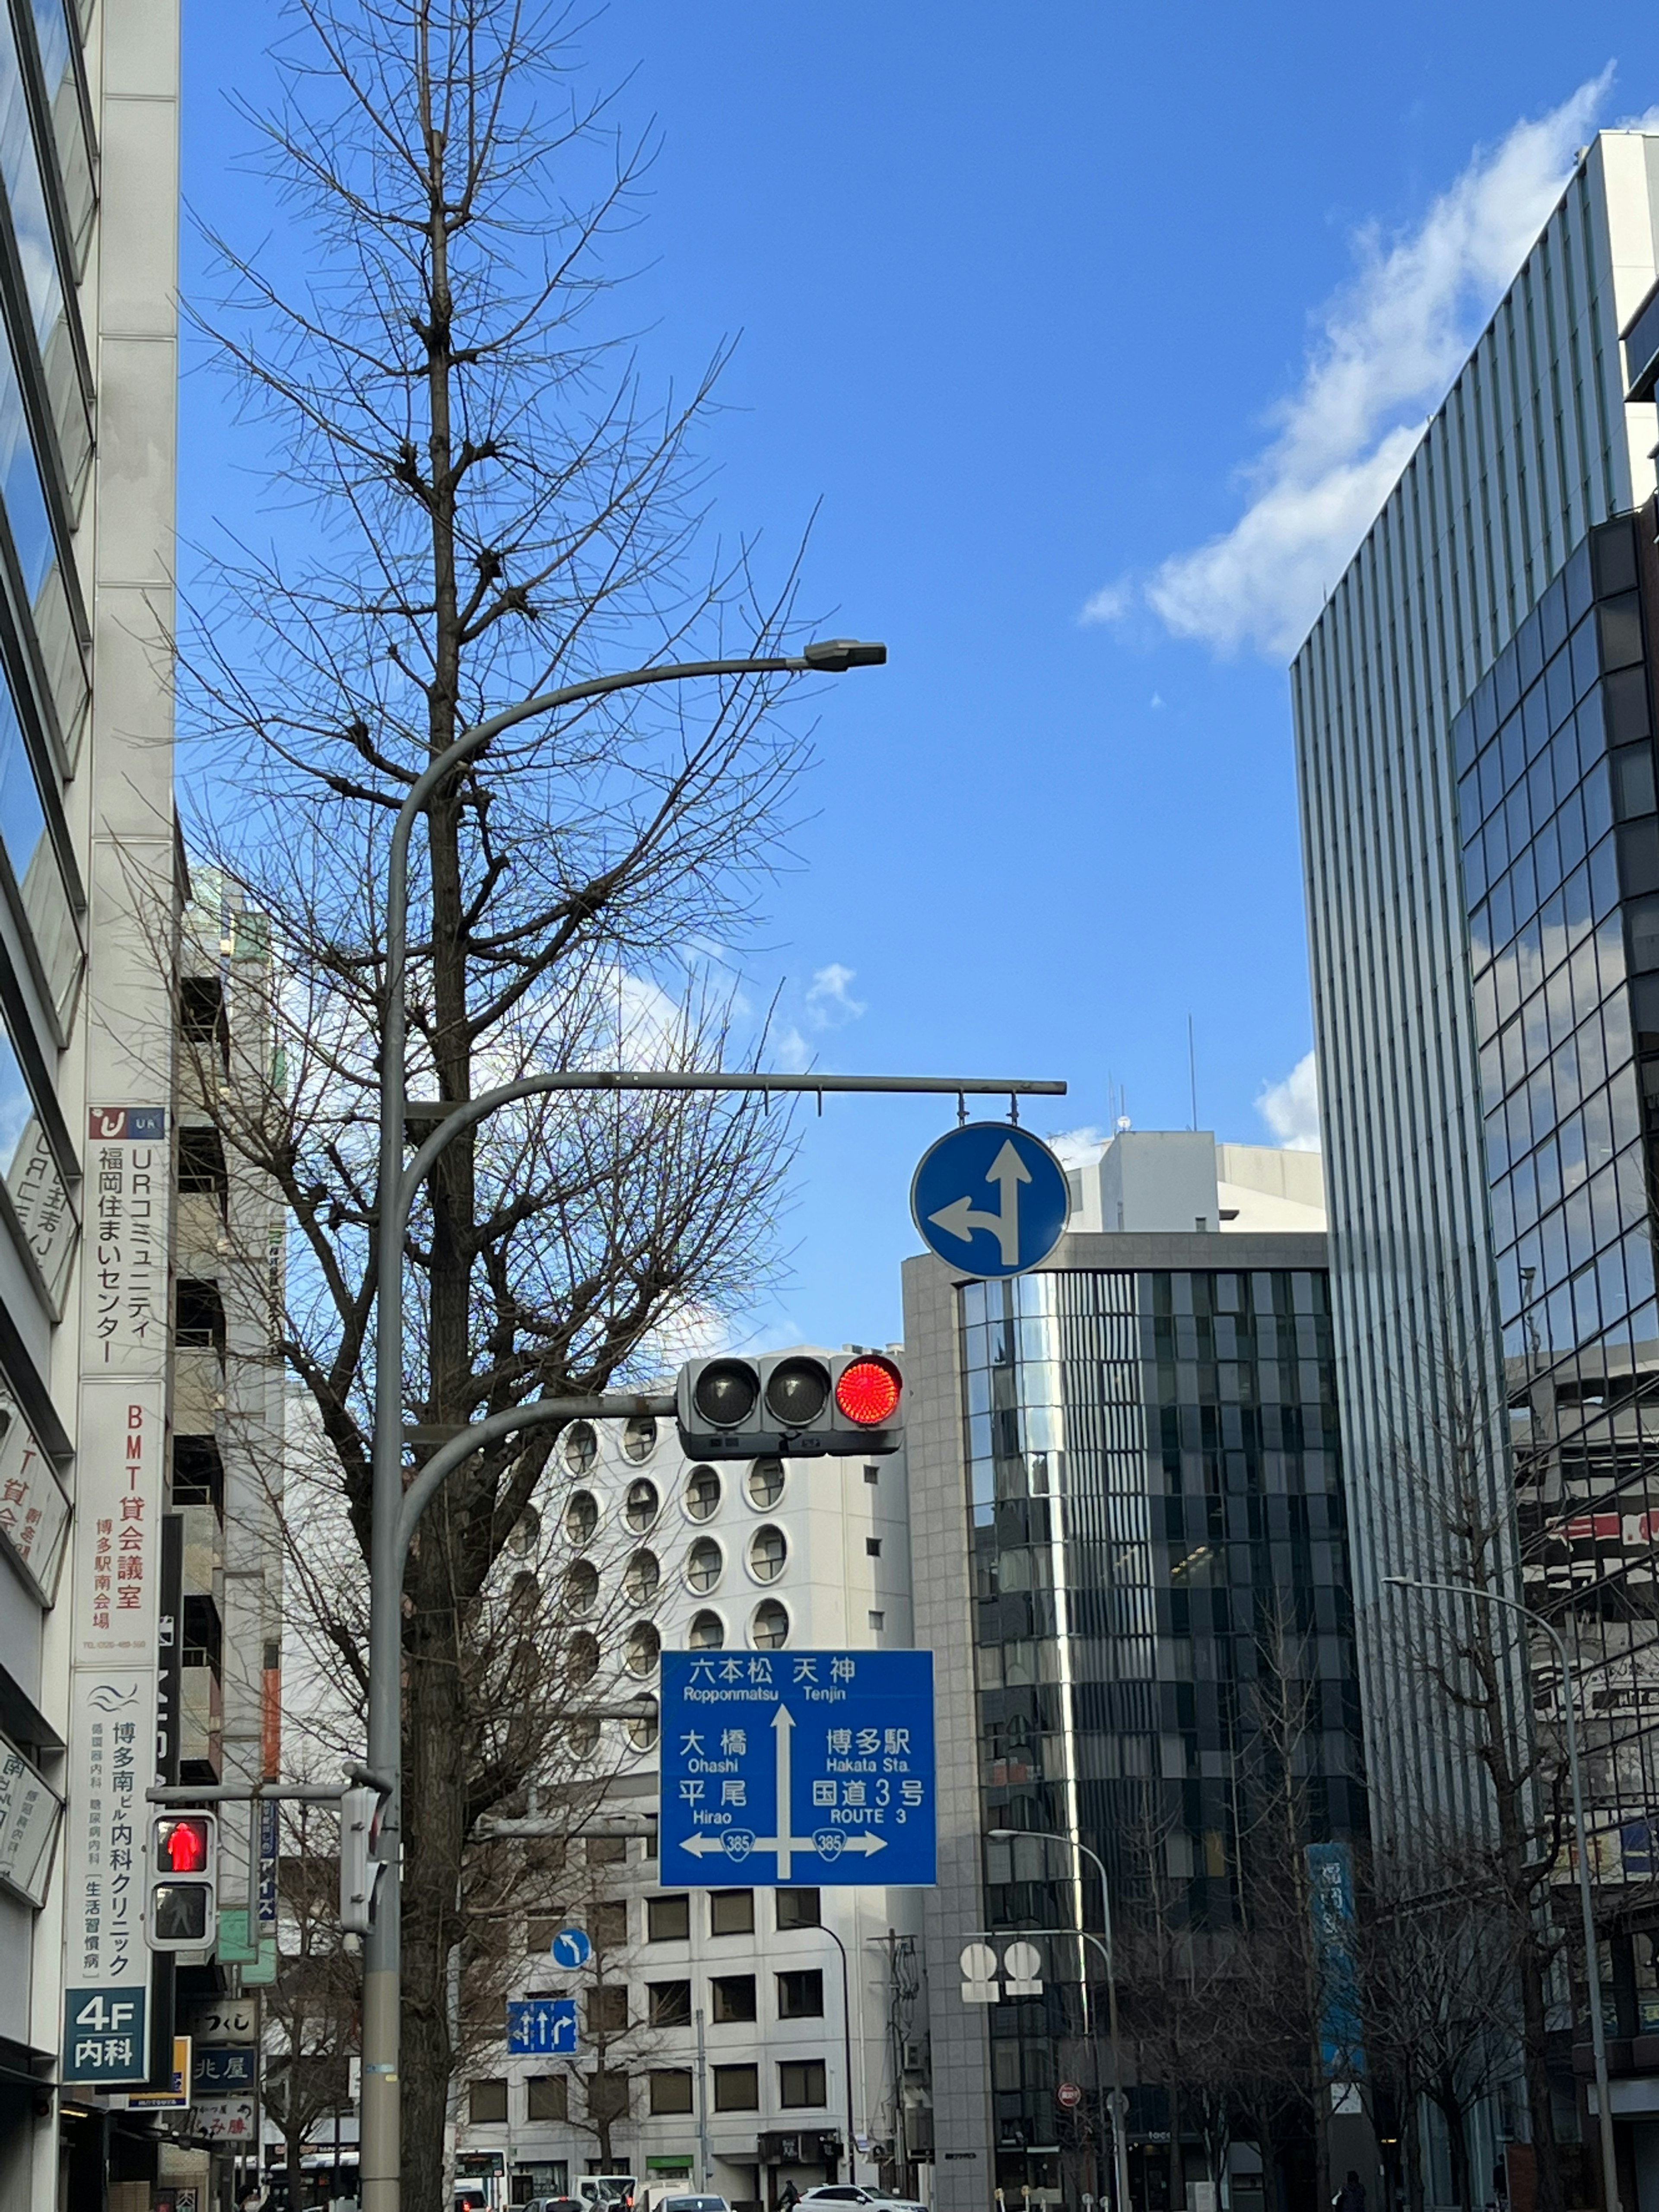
[570, 1947]
[797, 1766]
[542, 2027]
[990, 1199]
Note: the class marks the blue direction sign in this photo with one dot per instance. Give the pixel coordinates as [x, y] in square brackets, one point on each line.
[570, 1947]
[990, 1199]
[542, 2027]
[797, 1766]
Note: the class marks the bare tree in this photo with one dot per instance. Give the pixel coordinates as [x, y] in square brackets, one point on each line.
[488, 505]
[312, 2010]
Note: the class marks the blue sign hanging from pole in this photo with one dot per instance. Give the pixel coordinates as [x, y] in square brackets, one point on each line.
[990, 1199]
[813, 1767]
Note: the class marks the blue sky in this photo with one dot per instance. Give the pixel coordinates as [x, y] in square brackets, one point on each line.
[1096, 329]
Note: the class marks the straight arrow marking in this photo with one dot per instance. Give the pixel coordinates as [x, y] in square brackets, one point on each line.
[783, 1727]
[961, 1218]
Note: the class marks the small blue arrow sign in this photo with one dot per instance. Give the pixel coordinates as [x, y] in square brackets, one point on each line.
[990, 1199]
[570, 1947]
[542, 2027]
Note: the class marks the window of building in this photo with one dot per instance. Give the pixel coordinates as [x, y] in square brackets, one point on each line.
[486, 2102]
[872, 1547]
[732, 1997]
[581, 1447]
[671, 2089]
[640, 1505]
[730, 1911]
[639, 1437]
[539, 1931]
[703, 1563]
[607, 2094]
[737, 2088]
[607, 1924]
[201, 1009]
[642, 1576]
[546, 2097]
[202, 1163]
[581, 1658]
[669, 2003]
[702, 1492]
[607, 2009]
[800, 2081]
[644, 1649]
[767, 1554]
[607, 1850]
[800, 1996]
[769, 1629]
[878, 1620]
[797, 1908]
[766, 1482]
[706, 1633]
[581, 1517]
[199, 1473]
[201, 1316]
[667, 1919]
[581, 1587]
[872, 1474]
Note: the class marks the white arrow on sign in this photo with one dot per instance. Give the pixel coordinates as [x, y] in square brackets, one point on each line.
[961, 1218]
[738, 1843]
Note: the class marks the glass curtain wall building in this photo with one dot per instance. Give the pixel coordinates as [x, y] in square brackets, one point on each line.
[1131, 1563]
[1473, 722]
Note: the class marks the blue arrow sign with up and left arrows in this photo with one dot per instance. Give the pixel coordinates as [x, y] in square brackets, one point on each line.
[797, 1766]
[990, 1199]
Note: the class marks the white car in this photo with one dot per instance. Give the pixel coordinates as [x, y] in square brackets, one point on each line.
[692, 2204]
[850, 2193]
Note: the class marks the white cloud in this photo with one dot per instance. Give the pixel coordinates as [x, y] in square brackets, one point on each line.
[829, 1005]
[1077, 1148]
[1290, 1109]
[1388, 346]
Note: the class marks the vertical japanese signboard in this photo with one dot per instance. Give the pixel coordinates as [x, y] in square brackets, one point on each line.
[115, 1600]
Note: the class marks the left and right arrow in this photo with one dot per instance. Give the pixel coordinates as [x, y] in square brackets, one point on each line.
[784, 1845]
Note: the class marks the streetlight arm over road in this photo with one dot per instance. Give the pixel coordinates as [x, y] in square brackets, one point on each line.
[1581, 1836]
[382, 2117]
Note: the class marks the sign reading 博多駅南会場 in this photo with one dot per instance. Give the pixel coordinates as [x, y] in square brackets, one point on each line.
[782, 1767]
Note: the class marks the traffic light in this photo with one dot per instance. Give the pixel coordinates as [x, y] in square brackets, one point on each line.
[181, 1903]
[790, 1403]
[360, 1868]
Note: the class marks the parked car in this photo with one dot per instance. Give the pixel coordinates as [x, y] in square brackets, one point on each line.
[557, 2205]
[692, 2204]
[856, 2193]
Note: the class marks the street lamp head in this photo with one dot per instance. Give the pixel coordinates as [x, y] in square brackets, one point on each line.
[1002, 1835]
[835, 655]
[1397, 1582]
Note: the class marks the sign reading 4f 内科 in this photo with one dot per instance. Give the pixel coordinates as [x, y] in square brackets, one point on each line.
[106, 2035]
[797, 1766]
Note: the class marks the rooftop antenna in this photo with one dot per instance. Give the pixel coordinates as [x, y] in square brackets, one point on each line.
[1192, 1067]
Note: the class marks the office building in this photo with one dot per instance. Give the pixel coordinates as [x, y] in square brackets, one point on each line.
[1128, 1528]
[1474, 710]
[721, 2018]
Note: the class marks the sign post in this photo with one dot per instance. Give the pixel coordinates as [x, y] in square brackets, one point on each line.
[797, 1767]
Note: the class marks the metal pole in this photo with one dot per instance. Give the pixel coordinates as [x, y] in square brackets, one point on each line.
[847, 2047]
[1120, 2143]
[705, 2157]
[381, 2114]
[1581, 1835]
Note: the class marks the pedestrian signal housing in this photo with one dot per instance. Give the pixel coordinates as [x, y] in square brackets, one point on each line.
[360, 1865]
[790, 1402]
[181, 1899]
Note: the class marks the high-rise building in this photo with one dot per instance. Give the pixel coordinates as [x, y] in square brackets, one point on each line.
[1474, 711]
[1128, 1527]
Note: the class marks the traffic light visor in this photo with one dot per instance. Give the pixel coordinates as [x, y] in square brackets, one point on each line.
[181, 1846]
[868, 1392]
[797, 1392]
[725, 1392]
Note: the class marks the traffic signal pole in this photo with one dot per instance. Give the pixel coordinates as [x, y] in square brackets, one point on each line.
[396, 1512]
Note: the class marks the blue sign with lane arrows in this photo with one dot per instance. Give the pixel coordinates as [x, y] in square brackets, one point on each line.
[797, 1766]
[542, 2027]
[990, 1199]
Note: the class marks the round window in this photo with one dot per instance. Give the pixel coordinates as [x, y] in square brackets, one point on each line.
[703, 1563]
[582, 1737]
[766, 1482]
[769, 1629]
[522, 1536]
[640, 1507]
[639, 1437]
[641, 1578]
[581, 1658]
[767, 1554]
[702, 1492]
[581, 1587]
[706, 1633]
[643, 1732]
[581, 1517]
[581, 1447]
[644, 1649]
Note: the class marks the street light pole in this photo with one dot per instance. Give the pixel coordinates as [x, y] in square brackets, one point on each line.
[1120, 2143]
[381, 2115]
[846, 2046]
[1581, 1836]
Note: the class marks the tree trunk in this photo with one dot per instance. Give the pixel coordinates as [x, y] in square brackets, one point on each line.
[1451, 2107]
[1540, 2105]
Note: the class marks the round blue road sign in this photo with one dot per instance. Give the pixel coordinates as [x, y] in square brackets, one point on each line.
[571, 1948]
[990, 1199]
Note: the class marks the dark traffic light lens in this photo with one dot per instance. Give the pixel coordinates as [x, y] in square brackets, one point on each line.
[179, 1911]
[725, 1392]
[797, 1392]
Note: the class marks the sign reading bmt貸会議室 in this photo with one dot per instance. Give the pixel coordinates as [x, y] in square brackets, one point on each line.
[797, 1766]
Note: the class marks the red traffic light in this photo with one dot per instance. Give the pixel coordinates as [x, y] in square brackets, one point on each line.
[182, 1845]
[868, 1392]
